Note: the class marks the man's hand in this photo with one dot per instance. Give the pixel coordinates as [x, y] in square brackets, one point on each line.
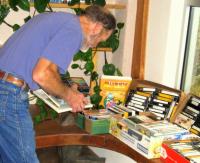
[76, 99]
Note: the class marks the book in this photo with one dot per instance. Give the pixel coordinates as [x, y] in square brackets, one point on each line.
[118, 86]
[83, 87]
[59, 105]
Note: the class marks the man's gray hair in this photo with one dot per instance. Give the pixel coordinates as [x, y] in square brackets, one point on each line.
[100, 14]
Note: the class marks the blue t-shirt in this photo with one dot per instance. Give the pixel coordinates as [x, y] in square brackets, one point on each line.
[55, 36]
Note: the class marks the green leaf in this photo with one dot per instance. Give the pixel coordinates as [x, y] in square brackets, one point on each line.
[40, 5]
[77, 56]
[74, 66]
[103, 44]
[24, 5]
[37, 119]
[78, 11]
[100, 2]
[109, 69]
[120, 25]
[119, 72]
[87, 55]
[113, 42]
[115, 32]
[13, 4]
[94, 76]
[27, 18]
[86, 72]
[40, 103]
[15, 27]
[73, 2]
[95, 98]
[4, 10]
[53, 114]
[67, 74]
[89, 66]
[43, 112]
[97, 89]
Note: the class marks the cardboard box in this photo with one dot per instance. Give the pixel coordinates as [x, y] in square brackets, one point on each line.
[99, 126]
[148, 146]
[170, 155]
[153, 94]
[93, 121]
[188, 114]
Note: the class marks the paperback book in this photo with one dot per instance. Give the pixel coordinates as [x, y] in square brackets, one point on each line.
[118, 86]
[59, 105]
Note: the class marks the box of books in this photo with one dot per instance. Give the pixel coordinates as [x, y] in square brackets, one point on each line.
[188, 115]
[144, 134]
[184, 151]
[97, 126]
[147, 96]
[94, 121]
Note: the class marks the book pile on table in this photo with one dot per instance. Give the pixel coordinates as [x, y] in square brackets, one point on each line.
[145, 134]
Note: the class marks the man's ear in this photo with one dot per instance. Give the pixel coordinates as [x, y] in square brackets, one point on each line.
[96, 28]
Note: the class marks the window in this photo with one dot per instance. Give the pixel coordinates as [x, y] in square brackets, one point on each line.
[191, 68]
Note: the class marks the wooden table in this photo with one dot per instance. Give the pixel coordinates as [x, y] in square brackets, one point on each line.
[51, 133]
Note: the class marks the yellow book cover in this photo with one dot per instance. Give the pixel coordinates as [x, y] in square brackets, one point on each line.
[118, 86]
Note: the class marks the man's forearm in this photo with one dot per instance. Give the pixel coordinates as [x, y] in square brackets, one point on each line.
[54, 85]
[46, 74]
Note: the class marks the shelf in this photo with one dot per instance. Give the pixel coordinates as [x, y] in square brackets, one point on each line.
[83, 5]
[102, 49]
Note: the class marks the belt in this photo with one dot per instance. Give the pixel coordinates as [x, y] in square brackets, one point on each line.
[14, 80]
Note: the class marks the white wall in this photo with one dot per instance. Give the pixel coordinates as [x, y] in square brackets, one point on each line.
[123, 56]
[165, 35]
[12, 18]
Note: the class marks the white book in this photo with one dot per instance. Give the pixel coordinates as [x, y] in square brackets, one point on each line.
[59, 105]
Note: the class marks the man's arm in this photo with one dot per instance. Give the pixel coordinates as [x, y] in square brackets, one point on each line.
[46, 74]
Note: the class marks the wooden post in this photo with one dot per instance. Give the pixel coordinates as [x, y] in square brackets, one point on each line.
[138, 59]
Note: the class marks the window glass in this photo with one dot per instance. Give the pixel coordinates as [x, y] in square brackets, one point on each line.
[191, 68]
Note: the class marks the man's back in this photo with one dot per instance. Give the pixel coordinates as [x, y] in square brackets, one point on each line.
[49, 35]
